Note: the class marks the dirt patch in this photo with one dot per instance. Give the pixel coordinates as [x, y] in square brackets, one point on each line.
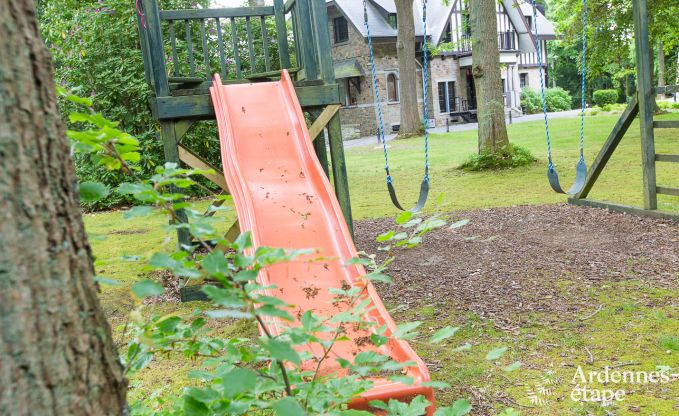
[170, 282]
[509, 262]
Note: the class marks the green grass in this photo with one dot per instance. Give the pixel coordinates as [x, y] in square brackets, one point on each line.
[625, 329]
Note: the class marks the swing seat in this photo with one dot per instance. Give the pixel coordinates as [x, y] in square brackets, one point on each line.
[578, 184]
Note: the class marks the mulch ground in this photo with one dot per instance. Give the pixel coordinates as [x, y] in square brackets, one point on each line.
[507, 262]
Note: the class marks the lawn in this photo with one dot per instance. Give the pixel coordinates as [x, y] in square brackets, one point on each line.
[120, 247]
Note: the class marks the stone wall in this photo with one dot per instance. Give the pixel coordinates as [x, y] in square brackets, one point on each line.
[360, 117]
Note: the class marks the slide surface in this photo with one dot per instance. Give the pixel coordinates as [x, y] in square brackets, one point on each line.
[285, 200]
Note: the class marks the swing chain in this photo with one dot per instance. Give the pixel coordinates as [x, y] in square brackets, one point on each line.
[378, 109]
[582, 85]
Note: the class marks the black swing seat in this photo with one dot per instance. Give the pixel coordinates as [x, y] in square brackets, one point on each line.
[421, 200]
[580, 177]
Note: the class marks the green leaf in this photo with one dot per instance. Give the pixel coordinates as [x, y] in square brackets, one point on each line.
[92, 191]
[228, 313]
[193, 407]
[513, 366]
[281, 351]
[238, 381]
[377, 404]
[509, 412]
[404, 330]
[443, 334]
[465, 347]
[459, 224]
[436, 384]
[379, 277]
[216, 263]
[496, 353]
[461, 407]
[287, 406]
[138, 211]
[404, 217]
[106, 281]
[385, 237]
[147, 288]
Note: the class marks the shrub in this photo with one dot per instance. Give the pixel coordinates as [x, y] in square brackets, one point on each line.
[603, 97]
[557, 99]
[509, 157]
[675, 106]
[606, 108]
[530, 101]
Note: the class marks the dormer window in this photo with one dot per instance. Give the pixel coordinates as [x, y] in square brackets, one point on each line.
[393, 20]
[529, 19]
[341, 29]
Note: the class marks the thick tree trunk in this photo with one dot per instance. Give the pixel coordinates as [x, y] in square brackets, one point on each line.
[492, 130]
[407, 68]
[56, 352]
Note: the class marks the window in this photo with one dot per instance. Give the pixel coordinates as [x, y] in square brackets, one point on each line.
[448, 33]
[392, 88]
[341, 29]
[351, 90]
[523, 80]
[393, 20]
[466, 23]
[529, 19]
[446, 96]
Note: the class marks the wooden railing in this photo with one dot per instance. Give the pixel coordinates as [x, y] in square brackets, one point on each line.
[237, 43]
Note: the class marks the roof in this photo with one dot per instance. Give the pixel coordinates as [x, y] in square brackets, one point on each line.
[544, 26]
[348, 68]
[378, 14]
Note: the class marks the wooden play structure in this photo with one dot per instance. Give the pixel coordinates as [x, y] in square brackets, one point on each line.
[641, 105]
[182, 49]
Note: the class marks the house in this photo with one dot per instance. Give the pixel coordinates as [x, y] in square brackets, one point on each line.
[452, 95]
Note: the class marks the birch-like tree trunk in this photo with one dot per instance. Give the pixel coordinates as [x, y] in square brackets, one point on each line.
[56, 352]
[492, 131]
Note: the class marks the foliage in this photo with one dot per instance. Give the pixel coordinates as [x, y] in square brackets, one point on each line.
[277, 372]
[508, 157]
[95, 48]
[603, 97]
[557, 99]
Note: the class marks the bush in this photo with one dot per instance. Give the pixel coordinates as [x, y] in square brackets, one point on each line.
[606, 108]
[557, 99]
[603, 97]
[509, 157]
[530, 101]
[675, 106]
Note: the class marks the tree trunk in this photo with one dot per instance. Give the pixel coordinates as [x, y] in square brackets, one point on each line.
[661, 67]
[407, 68]
[492, 130]
[56, 352]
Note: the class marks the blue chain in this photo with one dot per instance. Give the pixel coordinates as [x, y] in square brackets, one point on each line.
[582, 80]
[425, 89]
[378, 109]
[582, 85]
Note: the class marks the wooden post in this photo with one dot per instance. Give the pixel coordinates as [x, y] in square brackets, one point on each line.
[162, 89]
[307, 38]
[320, 144]
[281, 34]
[319, 19]
[646, 96]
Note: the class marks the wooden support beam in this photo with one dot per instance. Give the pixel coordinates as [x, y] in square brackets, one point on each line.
[665, 190]
[626, 209]
[667, 158]
[200, 107]
[339, 170]
[319, 143]
[213, 13]
[646, 97]
[619, 130]
[666, 124]
[170, 148]
[322, 120]
[196, 162]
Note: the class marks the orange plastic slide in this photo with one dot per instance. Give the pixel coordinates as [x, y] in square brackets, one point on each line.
[285, 200]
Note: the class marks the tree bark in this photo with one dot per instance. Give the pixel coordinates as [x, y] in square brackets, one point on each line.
[407, 68]
[492, 131]
[56, 352]
[661, 67]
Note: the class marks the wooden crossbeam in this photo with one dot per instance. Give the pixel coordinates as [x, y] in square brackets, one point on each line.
[322, 120]
[665, 190]
[609, 147]
[196, 162]
[666, 158]
[626, 208]
[666, 124]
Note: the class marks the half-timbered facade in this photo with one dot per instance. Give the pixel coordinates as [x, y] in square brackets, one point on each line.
[452, 94]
